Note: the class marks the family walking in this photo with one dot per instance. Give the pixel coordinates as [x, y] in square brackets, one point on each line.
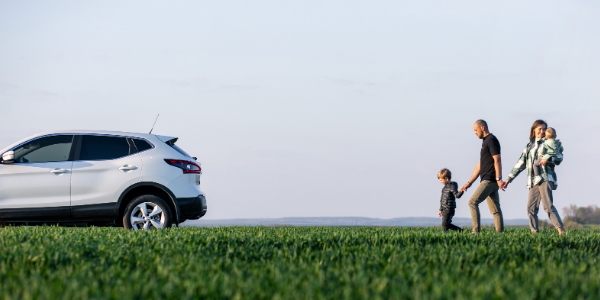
[541, 154]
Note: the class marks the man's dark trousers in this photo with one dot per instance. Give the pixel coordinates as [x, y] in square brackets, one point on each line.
[447, 215]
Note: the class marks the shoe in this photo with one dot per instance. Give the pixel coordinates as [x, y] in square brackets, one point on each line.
[537, 180]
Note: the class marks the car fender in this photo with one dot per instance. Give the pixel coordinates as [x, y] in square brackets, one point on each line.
[152, 184]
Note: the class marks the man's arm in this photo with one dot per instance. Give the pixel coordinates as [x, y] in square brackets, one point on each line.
[472, 179]
[498, 167]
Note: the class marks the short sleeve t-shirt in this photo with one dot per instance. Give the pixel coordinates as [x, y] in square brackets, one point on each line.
[489, 148]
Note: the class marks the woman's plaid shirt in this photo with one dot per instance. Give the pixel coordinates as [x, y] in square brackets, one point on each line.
[527, 159]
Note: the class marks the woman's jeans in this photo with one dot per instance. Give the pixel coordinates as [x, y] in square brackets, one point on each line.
[542, 193]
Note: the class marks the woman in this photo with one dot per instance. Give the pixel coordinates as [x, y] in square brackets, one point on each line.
[543, 190]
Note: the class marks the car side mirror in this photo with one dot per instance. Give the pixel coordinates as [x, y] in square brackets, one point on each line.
[8, 157]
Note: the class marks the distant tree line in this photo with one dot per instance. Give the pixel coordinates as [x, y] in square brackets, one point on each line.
[576, 217]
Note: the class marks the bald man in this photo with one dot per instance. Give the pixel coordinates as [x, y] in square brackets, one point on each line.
[489, 169]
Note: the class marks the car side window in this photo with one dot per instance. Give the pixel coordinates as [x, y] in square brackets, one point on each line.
[46, 149]
[99, 147]
[141, 145]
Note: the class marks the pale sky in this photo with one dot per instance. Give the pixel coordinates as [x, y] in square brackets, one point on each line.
[316, 108]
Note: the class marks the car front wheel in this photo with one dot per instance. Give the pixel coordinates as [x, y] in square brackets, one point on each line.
[147, 212]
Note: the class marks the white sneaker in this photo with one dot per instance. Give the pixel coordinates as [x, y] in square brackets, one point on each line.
[537, 180]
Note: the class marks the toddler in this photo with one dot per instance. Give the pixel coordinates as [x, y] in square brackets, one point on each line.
[448, 201]
[551, 147]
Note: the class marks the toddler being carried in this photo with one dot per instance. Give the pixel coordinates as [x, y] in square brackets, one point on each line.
[551, 148]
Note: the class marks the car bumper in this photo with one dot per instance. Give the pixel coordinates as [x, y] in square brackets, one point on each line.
[192, 208]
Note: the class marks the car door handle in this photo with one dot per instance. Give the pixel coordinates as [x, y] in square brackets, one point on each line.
[59, 171]
[127, 168]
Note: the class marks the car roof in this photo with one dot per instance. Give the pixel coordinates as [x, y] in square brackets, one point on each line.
[108, 132]
[103, 132]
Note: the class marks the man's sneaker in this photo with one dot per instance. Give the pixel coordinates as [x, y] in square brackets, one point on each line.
[537, 180]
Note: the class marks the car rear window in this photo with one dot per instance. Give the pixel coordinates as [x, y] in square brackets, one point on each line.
[141, 145]
[179, 149]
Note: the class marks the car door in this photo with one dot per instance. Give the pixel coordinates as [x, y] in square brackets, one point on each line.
[36, 185]
[104, 167]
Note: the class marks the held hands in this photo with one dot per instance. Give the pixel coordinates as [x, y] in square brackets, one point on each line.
[504, 185]
[465, 187]
[500, 184]
[543, 162]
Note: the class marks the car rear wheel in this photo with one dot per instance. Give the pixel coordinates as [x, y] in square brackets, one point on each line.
[147, 212]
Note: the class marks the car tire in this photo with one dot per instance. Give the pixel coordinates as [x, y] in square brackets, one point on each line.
[147, 212]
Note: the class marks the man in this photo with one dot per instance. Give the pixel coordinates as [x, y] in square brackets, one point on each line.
[489, 169]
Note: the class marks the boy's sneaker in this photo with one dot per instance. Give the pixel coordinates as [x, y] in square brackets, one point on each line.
[537, 180]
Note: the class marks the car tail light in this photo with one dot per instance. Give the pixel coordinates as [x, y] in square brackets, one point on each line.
[186, 166]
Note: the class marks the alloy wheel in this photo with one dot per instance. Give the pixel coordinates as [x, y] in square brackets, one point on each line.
[147, 215]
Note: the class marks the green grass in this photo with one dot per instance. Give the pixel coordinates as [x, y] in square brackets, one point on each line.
[296, 263]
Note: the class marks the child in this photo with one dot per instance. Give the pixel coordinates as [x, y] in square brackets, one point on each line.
[551, 147]
[448, 203]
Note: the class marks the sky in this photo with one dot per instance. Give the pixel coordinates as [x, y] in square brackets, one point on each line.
[316, 108]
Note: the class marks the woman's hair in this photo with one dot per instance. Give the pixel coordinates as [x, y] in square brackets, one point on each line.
[444, 173]
[534, 126]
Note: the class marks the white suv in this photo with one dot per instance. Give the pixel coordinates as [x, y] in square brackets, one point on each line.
[139, 181]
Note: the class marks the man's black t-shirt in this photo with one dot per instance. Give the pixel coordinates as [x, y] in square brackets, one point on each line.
[489, 148]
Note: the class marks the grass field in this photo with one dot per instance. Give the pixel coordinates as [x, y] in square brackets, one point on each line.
[296, 263]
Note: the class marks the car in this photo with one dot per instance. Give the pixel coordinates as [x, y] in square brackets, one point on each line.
[103, 178]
